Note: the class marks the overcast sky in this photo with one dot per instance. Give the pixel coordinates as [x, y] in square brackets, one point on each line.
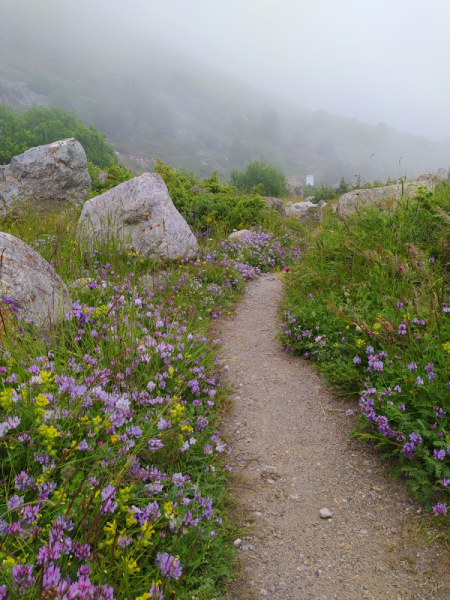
[376, 60]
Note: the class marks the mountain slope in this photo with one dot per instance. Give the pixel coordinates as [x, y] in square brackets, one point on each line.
[151, 101]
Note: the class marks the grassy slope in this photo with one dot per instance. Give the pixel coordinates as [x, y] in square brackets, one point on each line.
[369, 304]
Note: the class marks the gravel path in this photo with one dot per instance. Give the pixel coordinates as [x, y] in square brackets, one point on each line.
[292, 458]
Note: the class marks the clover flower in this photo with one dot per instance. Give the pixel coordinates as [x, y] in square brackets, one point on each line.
[440, 509]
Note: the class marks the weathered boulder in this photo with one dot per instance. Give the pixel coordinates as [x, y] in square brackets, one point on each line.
[237, 235]
[56, 171]
[295, 186]
[387, 195]
[301, 208]
[141, 213]
[277, 204]
[31, 284]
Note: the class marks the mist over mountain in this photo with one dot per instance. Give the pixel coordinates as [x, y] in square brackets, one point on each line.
[152, 100]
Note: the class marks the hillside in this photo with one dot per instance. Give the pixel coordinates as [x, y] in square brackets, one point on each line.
[153, 102]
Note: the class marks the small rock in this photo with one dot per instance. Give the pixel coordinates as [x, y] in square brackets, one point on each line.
[271, 481]
[263, 592]
[325, 513]
[363, 532]
[237, 542]
[273, 589]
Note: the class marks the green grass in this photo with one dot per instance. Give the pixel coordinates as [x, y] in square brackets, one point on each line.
[368, 304]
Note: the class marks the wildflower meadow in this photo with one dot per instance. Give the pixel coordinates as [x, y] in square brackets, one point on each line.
[113, 470]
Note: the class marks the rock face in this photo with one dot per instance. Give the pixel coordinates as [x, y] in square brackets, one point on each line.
[56, 171]
[349, 202]
[295, 186]
[31, 283]
[277, 204]
[141, 213]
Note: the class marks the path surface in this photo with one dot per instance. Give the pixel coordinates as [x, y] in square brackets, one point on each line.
[293, 458]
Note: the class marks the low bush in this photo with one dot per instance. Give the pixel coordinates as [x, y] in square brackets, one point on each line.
[208, 206]
[39, 126]
[259, 173]
[371, 304]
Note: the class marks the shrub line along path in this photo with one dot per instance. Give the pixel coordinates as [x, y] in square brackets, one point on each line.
[293, 457]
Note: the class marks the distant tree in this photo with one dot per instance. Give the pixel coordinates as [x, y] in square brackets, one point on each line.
[271, 180]
[14, 137]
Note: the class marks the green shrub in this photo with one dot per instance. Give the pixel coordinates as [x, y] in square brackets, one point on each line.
[116, 174]
[14, 137]
[39, 126]
[260, 172]
[208, 205]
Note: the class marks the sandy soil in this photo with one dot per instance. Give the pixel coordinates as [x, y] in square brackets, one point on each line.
[293, 457]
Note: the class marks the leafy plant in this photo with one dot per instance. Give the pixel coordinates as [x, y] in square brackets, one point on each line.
[260, 172]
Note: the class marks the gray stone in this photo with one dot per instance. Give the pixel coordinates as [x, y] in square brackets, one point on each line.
[277, 204]
[321, 204]
[294, 186]
[325, 513]
[237, 542]
[237, 235]
[31, 282]
[141, 213]
[349, 202]
[301, 208]
[56, 171]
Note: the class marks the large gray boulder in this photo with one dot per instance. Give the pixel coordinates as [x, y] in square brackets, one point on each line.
[141, 213]
[56, 171]
[349, 202]
[277, 204]
[295, 186]
[30, 284]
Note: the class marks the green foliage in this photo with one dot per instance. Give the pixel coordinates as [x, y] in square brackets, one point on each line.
[272, 180]
[115, 174]
[180, 185]
[39, 126]
[370, 305]
[208, 205]
[14, 137]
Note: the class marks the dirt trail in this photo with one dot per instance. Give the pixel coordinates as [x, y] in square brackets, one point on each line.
[295, 458]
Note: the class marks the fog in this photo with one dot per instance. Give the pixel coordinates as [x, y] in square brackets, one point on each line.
[384, 63]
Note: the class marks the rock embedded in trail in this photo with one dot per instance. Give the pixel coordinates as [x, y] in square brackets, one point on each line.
[140, 212]
[31, 283]
[57, 171]
[325, 513]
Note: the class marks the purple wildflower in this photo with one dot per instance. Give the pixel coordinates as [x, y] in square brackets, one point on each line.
[23, 579]
[440, 509]
[439, 454]
[169, 565]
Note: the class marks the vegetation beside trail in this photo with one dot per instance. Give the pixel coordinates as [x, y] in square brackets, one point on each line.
[370, 304]
[113, 471]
